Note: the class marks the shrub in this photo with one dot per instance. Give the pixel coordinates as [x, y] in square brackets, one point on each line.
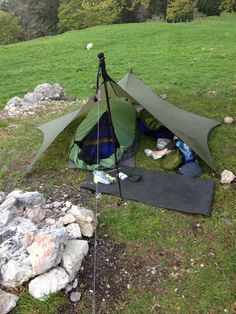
[180, 11]
[209, 7]
[10, 28]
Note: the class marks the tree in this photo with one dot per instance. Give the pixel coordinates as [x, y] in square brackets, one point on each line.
[180, 11]
[229, 5]
[37, 17]
[10, 28]
[209, 7]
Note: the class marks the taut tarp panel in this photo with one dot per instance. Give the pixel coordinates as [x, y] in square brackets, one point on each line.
[53, 128]
[189, 127]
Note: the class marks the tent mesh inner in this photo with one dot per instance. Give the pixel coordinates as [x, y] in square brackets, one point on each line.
[105, 143]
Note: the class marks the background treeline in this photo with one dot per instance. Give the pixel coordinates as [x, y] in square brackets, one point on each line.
[27, 19]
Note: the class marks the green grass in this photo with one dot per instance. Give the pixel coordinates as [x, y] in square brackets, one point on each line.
[184, 61]
[29, 305]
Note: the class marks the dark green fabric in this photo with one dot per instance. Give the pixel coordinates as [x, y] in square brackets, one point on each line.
[149, 121]
[172, 160]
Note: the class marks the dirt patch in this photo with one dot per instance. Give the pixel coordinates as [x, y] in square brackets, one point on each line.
[119, 268]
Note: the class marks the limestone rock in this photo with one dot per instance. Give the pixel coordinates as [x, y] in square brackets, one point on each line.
[35, 213]
[50, 221]
[74, 231]
[16, 272]
[47, 91]
[227, 177]
[75, 251]
[27, 198]
[85, 218]
[46, 250]
[75, 296]
[67, 219]
[228, 120]
[14, 102]
[2, 197]
[7, 302]
[52, 281]
[75, 283]
[7, 210]
[32, 98]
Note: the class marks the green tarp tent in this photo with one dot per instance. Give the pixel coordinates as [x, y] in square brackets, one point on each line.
[189, 127]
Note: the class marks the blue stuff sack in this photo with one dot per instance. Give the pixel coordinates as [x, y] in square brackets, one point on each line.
[187, 153]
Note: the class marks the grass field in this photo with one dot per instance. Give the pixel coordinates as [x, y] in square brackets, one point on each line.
[195, 255]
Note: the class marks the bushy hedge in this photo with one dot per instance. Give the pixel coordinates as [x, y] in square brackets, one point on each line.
[10, 28]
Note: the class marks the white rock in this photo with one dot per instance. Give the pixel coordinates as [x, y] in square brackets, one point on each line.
[227, 177]
[2, 197]
[75, 251]
[16, 272]
[28, 239]
[46, 250]
[75, 296]
[47, 91]
[7, 302]
[57, 204]
[228, 120]
[14, 102]
[75, 283]
[27, 198]
[35, 213]
[50, 221]
[50, 282]
[68, 288]
[7, 210]
[67, 219]
[74, 231]
[58, 225]
[68, 204]
[85, 218]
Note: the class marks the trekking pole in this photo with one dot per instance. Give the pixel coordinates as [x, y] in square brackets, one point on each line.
[106, 78]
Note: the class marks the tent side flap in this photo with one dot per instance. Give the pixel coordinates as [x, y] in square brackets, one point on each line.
[189, 127]
[53, 128]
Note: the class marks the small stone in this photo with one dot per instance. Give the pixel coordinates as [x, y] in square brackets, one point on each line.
[75, 296]
[75, 283]
[85, 218]
[73, 231]
[227, 177]
[67, 219]
[68, 288]
[50, 221]
[35, 213]
[228, 120]
[7, 302]
[57, 204]
[163, 96]
[68, 204]
[64, 209]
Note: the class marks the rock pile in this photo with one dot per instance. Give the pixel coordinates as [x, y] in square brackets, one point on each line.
[41, 242]
[42, 93]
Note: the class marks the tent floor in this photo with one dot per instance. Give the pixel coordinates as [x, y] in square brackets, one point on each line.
[161, 189]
